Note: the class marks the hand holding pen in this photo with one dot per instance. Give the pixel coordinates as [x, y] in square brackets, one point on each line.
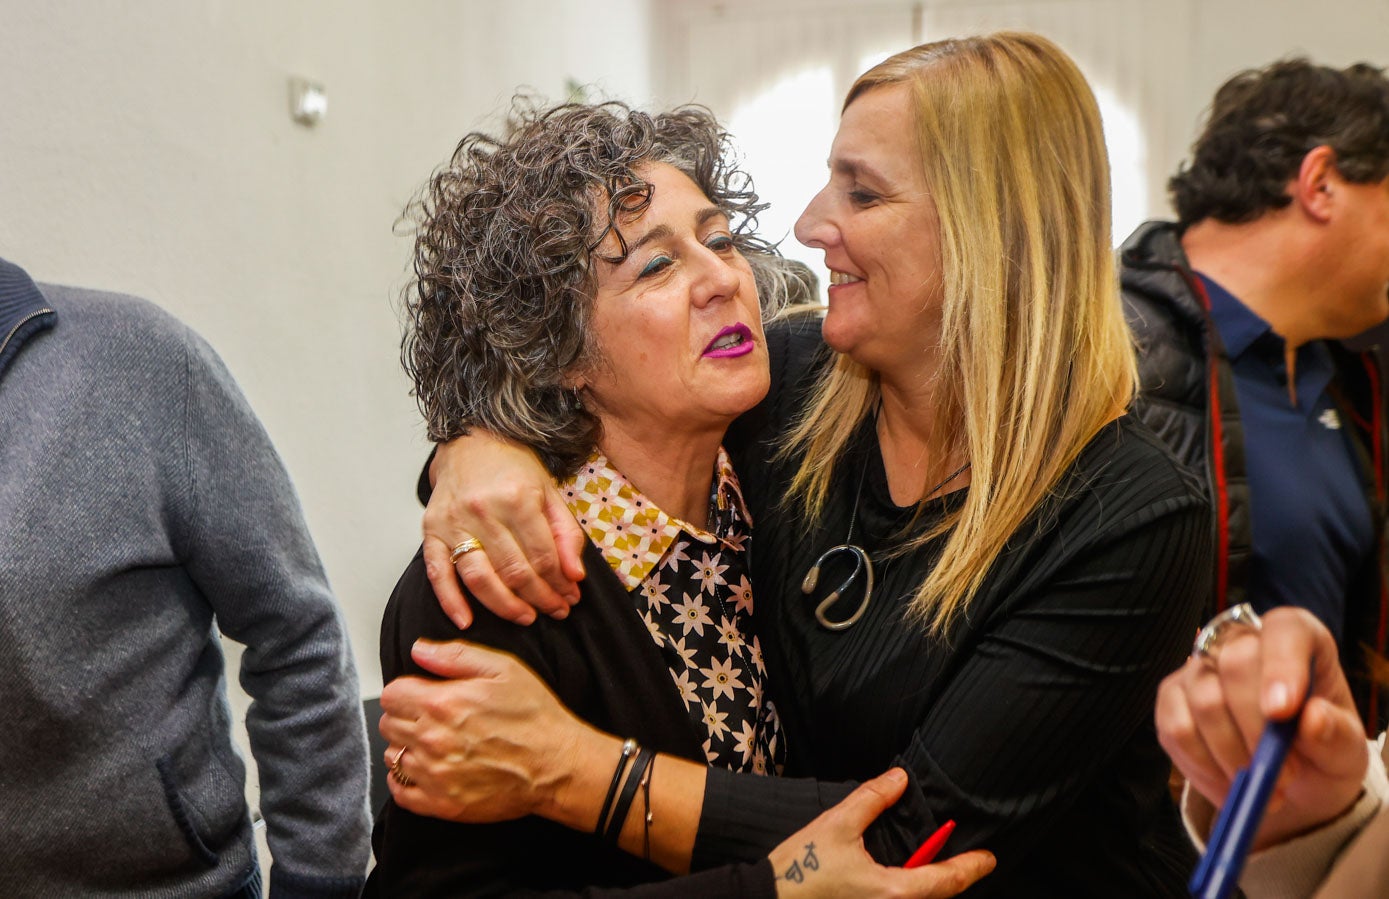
[1212, 714]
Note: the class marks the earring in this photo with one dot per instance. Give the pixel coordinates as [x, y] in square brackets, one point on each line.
[576, 402]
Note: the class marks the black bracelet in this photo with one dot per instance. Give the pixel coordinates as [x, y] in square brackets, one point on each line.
[629, 792]
[629, 746]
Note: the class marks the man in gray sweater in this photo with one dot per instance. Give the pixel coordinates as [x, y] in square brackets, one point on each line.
[142, 509]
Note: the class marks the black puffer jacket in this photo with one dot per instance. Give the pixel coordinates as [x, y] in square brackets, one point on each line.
[1187, 395]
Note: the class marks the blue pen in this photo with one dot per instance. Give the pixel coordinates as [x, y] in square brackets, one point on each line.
[1218, 872]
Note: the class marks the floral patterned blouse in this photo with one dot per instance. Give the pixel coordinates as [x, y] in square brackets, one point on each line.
[691, 588]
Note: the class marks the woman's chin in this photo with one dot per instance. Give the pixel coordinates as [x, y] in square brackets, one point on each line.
[743, 398]
[838, 334]
[747, 398]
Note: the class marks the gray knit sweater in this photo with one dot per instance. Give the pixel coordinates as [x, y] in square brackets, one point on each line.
[142, 508]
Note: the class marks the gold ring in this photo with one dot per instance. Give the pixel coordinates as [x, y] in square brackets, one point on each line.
[1208, 639]
[398, 770]
[464, 548]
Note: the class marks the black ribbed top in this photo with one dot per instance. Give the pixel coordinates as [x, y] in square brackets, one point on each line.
[1030, 723]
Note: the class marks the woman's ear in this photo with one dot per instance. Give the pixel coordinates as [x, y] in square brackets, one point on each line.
[573, 383]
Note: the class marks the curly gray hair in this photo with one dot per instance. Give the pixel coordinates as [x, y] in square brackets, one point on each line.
[506, 233]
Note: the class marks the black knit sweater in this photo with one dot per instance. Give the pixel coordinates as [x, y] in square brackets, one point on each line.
[1030, 723]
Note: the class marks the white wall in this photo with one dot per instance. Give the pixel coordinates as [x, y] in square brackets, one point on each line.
[1154, 65]
[1164, 60]
[1230, 35]
[147, 147]
[542, 43]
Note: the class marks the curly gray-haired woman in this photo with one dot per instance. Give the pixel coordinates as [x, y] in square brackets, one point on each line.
[587, 287]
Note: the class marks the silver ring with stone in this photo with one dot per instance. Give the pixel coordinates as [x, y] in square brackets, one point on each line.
[1208, 639]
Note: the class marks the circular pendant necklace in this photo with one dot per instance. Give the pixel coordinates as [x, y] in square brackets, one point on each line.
[863, 565]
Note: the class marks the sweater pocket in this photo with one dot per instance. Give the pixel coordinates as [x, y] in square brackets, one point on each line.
[184, 814]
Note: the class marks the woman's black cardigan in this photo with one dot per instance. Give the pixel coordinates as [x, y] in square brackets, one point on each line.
[603, 665]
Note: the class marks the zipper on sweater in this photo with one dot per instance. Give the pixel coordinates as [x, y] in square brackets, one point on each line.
[21, 323]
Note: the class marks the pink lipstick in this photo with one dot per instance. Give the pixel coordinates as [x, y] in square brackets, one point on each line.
[735, 340]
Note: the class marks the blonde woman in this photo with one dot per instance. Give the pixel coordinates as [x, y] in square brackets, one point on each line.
[971, 562]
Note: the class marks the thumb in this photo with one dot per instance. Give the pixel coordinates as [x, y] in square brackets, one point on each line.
[950, 877]
[1296, 647]
[871, 798]
[456, 658]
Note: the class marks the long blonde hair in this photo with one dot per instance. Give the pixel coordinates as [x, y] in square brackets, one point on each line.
[1035, 355]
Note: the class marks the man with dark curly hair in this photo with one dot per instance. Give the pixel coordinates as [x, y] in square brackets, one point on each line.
[1280, 252]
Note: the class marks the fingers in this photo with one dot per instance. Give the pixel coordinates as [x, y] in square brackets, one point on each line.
[403, 702]
[476, 571]
[446, 528]
[413, 707]
[569, 539]
[1221, 734]
[397, 731]
[952, 876]
[394, 757]
[871, 798]
[1182, 738]
[527, 557]
[1296, 645]
[415, 799]
[553, 542]
[443, 577]
[508, 575]
[1222, 696]
[404, 775]
[1240, 669]
[500, 495]
[1210, 716]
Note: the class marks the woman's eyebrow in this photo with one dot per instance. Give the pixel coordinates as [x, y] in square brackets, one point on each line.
[857, 168]
[704, 215]
[661, 232]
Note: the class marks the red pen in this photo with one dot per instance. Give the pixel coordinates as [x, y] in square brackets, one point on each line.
[929, 849]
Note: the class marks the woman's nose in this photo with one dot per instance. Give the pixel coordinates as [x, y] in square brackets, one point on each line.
[718, 280]
[813, 227]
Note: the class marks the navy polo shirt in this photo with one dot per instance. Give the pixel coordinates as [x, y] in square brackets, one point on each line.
[1310, 516]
